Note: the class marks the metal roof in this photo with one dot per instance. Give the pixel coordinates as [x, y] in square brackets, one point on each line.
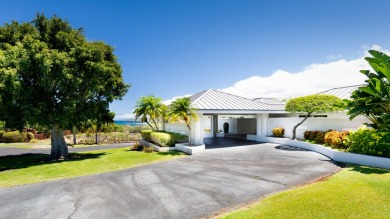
[269, 100]
[218, 100]
[342, 92]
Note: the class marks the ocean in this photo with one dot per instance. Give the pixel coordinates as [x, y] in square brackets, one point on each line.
[132, 123]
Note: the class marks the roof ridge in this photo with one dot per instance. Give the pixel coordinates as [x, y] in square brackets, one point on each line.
[204, 93]
[235, 95]
[254, 101]
[340, 88]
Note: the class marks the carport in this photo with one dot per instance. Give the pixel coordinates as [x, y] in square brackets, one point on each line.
[244, 116]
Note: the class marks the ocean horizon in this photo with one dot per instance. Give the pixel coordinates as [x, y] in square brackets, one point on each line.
[132, 123]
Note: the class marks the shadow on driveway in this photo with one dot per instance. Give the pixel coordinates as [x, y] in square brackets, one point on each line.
[223, 142]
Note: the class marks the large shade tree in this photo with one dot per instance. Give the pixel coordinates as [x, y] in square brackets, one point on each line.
[317, 103]
[181, 110]
[373, 99]
[151, 110]
[51, 75]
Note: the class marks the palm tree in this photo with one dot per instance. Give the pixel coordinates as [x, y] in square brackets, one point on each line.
[181, 109]
[149, 109]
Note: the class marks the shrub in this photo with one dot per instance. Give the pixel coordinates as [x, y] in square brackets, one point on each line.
[148, 149]
[145, 134]
[178, 138]
[29, 136]
[337, 139]
[2, 132]
[136, 147]
[319, 137]
[33, 141]
[306, 135]
[278, 132]
[12, 137]
[370, 142]
[162, 139]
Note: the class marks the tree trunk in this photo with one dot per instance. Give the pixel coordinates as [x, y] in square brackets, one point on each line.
[296, 126]
[59, 149]
[163, 123]
[74, 136]
[189, 135]
[96, 137]
[155, 124]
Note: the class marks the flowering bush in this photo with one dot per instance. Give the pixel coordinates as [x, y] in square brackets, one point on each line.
[337, 139]
[278, 132]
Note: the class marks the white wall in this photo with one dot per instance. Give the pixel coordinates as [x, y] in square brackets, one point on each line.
[334, 121]
[176, 127]
[206, 123]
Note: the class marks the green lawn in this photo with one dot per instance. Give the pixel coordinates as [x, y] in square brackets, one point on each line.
[17, 145]
[26, 169]
[354, 192]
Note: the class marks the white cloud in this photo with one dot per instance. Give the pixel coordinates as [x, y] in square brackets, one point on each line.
[122, 117]
[313, 79]
[169, 101]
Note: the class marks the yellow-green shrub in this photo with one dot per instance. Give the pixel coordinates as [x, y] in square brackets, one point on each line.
[145, 134]
[29, 136]
[278, 132]
[12, 137]
[2, 132]
[162, 139]
[370, 142]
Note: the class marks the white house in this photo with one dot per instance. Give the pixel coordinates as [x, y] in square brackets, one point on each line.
[256, 118]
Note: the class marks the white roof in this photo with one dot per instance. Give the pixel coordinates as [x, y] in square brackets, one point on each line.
[215, 100]
[218, 100]
[342, 92]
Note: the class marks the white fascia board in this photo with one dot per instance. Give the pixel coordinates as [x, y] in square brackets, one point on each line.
[238, 111]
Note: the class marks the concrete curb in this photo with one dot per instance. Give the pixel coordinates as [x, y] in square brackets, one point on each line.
[338, 156]
[143, 142]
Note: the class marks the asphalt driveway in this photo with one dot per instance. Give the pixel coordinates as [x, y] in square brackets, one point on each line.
[191, 187]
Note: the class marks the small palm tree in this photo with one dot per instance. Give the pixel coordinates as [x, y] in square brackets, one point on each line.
[149, 109]
[181, 110]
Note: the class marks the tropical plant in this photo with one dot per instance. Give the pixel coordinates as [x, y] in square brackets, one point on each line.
[181, 110]
[373, 99]
[317, 103]
[51, 75]
[150, 109]
[370, 141]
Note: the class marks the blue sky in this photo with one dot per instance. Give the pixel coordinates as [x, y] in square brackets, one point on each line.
[173, 48]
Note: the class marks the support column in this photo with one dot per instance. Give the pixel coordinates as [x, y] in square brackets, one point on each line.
[215, 125]
[196, 130]
[258, 124]
[264, 124]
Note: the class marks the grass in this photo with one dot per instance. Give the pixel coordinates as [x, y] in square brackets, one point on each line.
[17, 145]
[354, 192]
[26, 169]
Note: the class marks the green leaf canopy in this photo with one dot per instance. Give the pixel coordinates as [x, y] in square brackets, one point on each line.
[51, 74]
[373, 99]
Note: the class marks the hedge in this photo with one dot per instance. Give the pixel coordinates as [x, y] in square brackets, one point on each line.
[162, 138]
[13, 137]
[2, 132]
[370, 142]
[145, 134]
